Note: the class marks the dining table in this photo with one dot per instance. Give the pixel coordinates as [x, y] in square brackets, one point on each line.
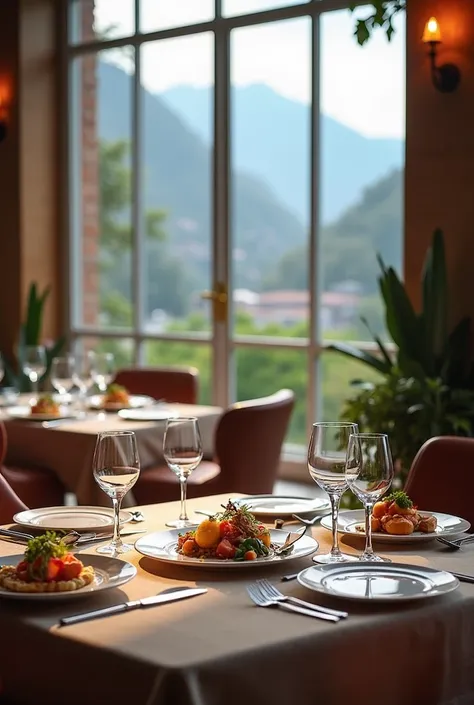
[67, 446]
[221, 649]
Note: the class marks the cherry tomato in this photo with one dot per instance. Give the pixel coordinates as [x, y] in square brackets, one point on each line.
[225, 549]
[22, 567]
[189, 547]
[71, 568]
[226, 527]
[250, 556]
[53, 569]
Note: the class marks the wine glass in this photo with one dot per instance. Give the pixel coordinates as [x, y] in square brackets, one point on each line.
[327, 455]
[102, 370]
[182, 448]
[62, 373]
[34, 364]
[116, 467]
[83, 376]
[369, 473]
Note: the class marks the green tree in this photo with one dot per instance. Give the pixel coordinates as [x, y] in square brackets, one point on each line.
[381, 15]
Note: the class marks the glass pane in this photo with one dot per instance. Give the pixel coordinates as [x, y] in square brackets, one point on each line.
[336, 374]
[121, 348]
[270, 73]
[261, 372]
[174, 13]
[177, 181]
[241, 7]
[101, 19]
[161, 353]
[362, 162]
[101, 197]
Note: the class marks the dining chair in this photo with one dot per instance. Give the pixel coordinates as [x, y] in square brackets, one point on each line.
[172, 384]
[441, 478]
[248, 442]
[10, 503]
[35, 486]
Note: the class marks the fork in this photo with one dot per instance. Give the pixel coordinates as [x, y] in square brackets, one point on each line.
[258, 598]
[307, 522]
[456, 543]
[270, 591]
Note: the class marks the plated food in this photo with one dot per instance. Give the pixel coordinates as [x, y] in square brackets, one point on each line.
[116, 396]
[397, 515]
[233, 534]
[47, 566]
[46, 406]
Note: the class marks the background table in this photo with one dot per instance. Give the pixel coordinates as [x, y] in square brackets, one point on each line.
[219, 649]
[68, 448]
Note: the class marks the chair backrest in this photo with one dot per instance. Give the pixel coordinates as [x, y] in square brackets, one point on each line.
[248, 443]
[174, 384]
[10, 503]
[441, 478]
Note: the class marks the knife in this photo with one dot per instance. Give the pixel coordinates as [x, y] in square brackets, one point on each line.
[105, 537]
[160, 599]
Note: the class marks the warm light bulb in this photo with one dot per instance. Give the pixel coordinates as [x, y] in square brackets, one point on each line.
[432, 31]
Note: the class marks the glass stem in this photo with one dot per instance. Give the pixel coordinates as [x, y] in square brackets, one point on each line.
[335, 502]
[368, 529]
[117, 501]
[34, 384]
[183, 485]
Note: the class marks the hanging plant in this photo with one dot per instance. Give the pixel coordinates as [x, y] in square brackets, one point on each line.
[382, 15]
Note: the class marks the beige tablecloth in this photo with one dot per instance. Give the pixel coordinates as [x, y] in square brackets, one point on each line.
[219, 649]
[68, 448]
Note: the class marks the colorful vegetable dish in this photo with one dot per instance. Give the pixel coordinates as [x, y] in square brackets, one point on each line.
[233, 534]
[46, 405]
[116, 395]
[397, 515]
[47, 566]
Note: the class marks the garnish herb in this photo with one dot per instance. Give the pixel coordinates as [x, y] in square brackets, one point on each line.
[401, 499]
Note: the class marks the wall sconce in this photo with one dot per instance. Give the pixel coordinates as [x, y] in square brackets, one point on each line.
[445, 78]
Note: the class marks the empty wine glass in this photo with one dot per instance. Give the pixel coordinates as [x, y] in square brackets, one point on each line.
[369, 473]
[327, 455]
[34, 365]
[83, 376]
[116, 467]
[182, 448]
[102, 370]
[62, 374]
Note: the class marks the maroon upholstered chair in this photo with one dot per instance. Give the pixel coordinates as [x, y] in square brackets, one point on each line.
[248, 444]
[36, 487]
[441, 478]
[10, 503]
[173, 384]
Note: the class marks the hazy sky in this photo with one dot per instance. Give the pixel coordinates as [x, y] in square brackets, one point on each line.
[363, 88]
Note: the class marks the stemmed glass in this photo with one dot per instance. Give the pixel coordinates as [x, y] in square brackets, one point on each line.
[116, 467]
[327, 455]
[369, 473]
[62, 374]
[102, 370]
[34, 365]
[83, 378]
[182, 448]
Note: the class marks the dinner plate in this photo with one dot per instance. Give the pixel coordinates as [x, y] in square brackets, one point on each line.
[163, 545]
[150, 414]
[109, 573]
[274, 506]
[378, 582]
[24, 413]
[136, 401]
[70, 518]
[349, 521]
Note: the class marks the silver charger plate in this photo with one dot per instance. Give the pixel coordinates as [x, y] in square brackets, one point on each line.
[274, 506]
[109, 573]
[162, 545]
[80, 518]
[378, 582]
[349, 521]
[148, 414]
[136, 401]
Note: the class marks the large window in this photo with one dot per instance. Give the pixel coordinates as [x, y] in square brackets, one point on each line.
[239, 149]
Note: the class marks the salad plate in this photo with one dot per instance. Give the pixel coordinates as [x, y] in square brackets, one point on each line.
[352, 522]
[274, 506]
[80, 518]
[24, 413]
[108, 573]
[163, 546]
[378, 582]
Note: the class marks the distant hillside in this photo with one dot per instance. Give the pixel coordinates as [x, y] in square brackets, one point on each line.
[270, 139]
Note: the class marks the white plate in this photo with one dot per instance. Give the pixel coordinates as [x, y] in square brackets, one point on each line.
[162, 545]
[448, 526]
[69, 518]
[151, 414]
[378, 582]
[109, 573]
[137, 401]
[273, 506]
[24, 413]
